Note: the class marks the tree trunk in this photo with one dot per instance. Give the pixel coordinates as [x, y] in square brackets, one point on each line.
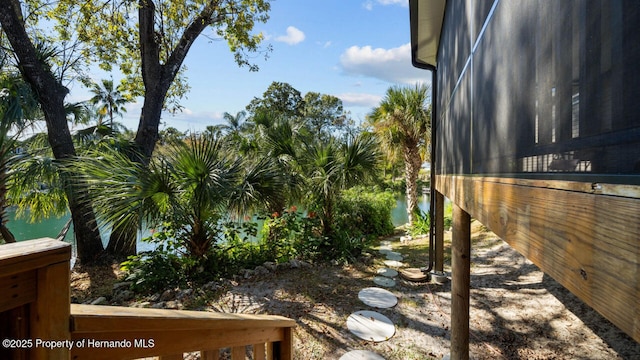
[51, 96]
[157, 79]
[412, 163]
[123, 240]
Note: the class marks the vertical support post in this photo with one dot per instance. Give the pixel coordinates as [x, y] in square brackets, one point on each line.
[460, 283]
[439, 229]
[50, 313]
[283, 350]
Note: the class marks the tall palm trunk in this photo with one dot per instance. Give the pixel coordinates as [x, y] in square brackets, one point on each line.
[412, 163]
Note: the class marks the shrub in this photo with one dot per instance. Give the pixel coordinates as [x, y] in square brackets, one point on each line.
[170, 265]
[421, 223]
[158, 269]
[289, 235]
[362, 211]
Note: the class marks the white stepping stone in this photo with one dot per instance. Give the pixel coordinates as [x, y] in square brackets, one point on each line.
[384, 281]
[390, 273]
[361, 355]
[394, 256]
[377, 297]
[385, 242]
[370, 326]
[393, 263]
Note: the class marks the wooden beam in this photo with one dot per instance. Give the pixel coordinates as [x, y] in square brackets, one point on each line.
[439, 231]
[95, 318]
[460, 283]
[49, 314]
[33, 254]
[167, 342]
[259, 351]
[213, 354]
[171, 357]
[238, 352]
[583, 235]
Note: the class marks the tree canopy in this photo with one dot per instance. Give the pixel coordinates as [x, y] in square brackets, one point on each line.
[403, 123]
[149, 40]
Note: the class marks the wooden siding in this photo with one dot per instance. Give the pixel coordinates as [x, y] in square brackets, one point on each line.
[586, 236]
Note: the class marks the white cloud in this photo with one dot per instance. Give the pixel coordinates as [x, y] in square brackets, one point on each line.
[368, 5]
[294, 36]
[360, 99]
[391, 65]
[403, 3]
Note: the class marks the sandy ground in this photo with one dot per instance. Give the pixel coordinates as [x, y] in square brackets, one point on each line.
[517, 312]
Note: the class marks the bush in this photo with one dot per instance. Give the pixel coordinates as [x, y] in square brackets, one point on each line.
[290, 235]
[421, 223]
[158, 269]
[170, 265]
[362, 211]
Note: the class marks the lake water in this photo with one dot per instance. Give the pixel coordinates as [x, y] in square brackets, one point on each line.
[23, 230]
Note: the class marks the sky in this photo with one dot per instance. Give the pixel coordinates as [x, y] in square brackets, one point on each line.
[352, 49]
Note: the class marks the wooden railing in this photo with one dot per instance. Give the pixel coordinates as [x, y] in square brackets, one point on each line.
[126, 333]
[40, 323]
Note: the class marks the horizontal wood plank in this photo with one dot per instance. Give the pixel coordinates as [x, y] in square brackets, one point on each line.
[586, 240]
[17, 289]
[167, 342]
[93, 318]
[32, 254]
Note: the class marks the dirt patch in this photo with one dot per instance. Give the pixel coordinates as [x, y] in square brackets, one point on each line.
[517, 312]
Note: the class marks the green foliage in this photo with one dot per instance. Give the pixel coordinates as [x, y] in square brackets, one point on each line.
[362, 211]
[421, 223]
[448, 215]
[159, 269]
[290, 235]
[194, 186]
[171, 265]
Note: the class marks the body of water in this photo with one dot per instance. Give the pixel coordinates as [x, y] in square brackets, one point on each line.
[23, 230]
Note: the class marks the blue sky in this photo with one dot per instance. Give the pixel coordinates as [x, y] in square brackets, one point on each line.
[352, 49]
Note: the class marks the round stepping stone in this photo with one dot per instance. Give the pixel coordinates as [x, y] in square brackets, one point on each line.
[396, 257]
[384, 281]
[414, 274]
[370, 326]
[385, 242]
[385, 251]
[361, 355]
[390, 273]
[393, 263]
[377, 297]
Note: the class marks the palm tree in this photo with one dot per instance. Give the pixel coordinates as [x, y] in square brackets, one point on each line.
[329, 167]
[18, 106]
[110, 100]
[403, 123]
[192, 188]
[235, 124]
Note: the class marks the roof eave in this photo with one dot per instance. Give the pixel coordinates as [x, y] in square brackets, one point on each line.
[426, 18]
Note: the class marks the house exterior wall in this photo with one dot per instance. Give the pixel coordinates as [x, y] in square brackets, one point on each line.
[537, 135]
[540, 89]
